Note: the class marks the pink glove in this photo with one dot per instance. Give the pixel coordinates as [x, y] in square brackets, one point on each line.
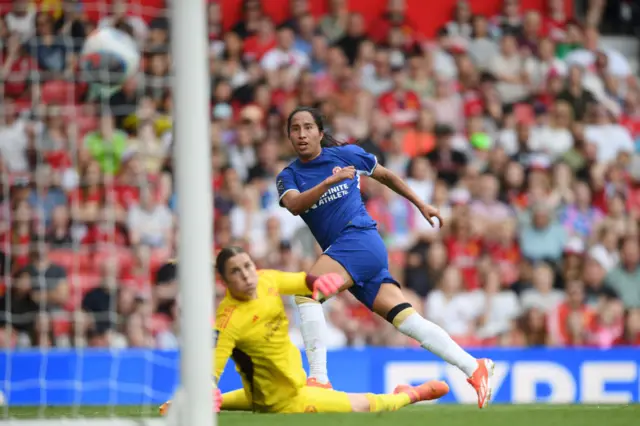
[217, 400]
[326, 286]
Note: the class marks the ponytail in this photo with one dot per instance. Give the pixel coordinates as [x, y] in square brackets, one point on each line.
[329, 141]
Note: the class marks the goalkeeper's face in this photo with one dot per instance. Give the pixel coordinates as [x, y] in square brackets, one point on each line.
[241, 276]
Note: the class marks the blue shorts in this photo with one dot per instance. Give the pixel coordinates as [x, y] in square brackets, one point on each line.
[364, 256]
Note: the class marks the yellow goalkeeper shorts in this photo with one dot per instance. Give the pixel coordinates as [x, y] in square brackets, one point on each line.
[318, 400]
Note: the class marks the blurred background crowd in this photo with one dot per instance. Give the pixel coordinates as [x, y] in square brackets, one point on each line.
[522, 127]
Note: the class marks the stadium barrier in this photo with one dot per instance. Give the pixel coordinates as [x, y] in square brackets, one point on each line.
[132, 377]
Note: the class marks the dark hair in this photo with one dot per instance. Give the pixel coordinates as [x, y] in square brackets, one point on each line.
[327, 139]
[224, 255]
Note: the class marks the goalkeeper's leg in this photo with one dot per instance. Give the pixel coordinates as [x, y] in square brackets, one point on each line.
[319, 400]
[236, 400]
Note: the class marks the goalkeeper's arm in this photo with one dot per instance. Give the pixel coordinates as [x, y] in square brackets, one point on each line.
[292, 283]
[301, 284]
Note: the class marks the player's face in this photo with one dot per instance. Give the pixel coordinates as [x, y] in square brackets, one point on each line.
[305, 135]
[241, 277]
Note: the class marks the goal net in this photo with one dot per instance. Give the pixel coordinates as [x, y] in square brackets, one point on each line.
[89, 329]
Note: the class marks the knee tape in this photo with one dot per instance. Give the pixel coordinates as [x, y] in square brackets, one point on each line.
[399, 313]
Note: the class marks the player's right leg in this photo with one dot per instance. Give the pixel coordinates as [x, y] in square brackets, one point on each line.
[313, 325]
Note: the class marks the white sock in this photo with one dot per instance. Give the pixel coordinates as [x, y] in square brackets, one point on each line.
[437, 341]
[313, 327]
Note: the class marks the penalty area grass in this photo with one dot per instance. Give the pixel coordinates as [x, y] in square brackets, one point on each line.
[441, 415]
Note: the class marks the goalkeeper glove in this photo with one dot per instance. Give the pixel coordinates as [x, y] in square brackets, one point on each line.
[326, 285]
[217, 400]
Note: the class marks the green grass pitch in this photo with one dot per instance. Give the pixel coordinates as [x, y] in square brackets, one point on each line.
[424, 415]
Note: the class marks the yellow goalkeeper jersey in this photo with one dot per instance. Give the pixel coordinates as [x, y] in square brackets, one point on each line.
[255, 334]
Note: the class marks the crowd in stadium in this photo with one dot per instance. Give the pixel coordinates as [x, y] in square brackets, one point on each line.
[518, 127]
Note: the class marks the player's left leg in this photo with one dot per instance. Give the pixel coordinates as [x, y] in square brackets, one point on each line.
[388, 301]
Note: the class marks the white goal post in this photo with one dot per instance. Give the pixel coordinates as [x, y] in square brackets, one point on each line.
[194, 405]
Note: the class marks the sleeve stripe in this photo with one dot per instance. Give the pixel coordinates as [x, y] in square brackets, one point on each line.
[369, 173]
[285, 193]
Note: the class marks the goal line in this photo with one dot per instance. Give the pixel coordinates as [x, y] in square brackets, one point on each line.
[84, 421]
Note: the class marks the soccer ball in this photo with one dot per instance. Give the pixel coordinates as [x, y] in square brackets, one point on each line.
[109, 58]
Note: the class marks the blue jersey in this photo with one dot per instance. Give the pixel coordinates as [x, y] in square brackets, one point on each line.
[341, 205]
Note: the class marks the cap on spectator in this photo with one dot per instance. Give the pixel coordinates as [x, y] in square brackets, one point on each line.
[459, 196]
[600, 255]
[443, 130]
[222, 112]
[575, 246]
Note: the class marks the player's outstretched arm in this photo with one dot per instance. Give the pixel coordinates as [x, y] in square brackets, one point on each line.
[299, 202]
[393, 181]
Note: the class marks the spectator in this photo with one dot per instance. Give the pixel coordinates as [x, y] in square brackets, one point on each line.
[45, 196]
[353, 37]
[446, 160]
[334, 24]
[625, 279]
[107, 146]
[544, 237]
[486, 208]
[569, 322]
[580, 218]
[21, 20]
[493, 306]
[510, 22]
[446, 105]
[575, 94]
[585, 57]
[285, 54]
[59, 234]
[400, 105]
[150, 224]
[508, 68]
[15, 134]
[256, 46]
[49, 286]
[482, 48]
[18, 309]
[447, 306]
[542, 295]
[609, 137]
[461, 25]
[17, 70]
[50, 50]
[119, 15]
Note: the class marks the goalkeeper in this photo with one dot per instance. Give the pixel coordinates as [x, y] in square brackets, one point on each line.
[252, 328]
